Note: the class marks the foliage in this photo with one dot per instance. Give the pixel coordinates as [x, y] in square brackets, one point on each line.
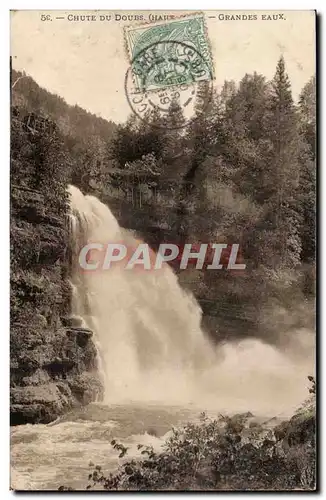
[135, 139]
[72, 120]
[228, 453]
[83, 157]
[38, 234]
[243, 172]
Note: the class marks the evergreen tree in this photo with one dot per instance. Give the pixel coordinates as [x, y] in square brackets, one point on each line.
[199, 140]
[244, 131]
[280, 186]
[137, 138]
[307, 106]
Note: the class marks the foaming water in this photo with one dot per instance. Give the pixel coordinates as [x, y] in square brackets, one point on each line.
[150, 341]
[44, 457]
[158, 368]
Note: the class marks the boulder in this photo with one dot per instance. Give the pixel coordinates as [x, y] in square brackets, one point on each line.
[53, 376]
[45, 403]
[86, 388]
[69, 321]
[35, 404]
[80, 335]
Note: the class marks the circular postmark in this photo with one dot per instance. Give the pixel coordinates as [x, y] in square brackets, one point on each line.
[169, 84]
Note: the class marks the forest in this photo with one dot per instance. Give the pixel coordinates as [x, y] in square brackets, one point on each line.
[244, 172]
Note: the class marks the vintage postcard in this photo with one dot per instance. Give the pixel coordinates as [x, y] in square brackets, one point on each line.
[163, 205]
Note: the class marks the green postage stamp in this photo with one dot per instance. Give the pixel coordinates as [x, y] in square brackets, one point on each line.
[176, 52]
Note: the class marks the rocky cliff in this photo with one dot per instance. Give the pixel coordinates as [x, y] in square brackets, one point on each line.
[53, 359]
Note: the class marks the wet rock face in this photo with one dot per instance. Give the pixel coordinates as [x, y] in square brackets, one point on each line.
[41, 403]
[53, 358]
[80, 335]
[57, 376]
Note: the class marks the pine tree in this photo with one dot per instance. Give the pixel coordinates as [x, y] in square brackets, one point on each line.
[244, 130]
[307, 106]
[280, 186]
[199, 140]
[137, 138]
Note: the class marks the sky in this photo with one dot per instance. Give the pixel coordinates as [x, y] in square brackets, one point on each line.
[85, 62]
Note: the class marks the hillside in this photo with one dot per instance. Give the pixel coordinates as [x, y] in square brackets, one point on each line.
[53, 360]
[72, 121]
[219, 180]
[231, 176]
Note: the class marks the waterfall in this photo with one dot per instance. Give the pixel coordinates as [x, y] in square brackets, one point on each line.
[148, 334]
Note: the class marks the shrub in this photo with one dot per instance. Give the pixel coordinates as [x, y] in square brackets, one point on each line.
[227, 453]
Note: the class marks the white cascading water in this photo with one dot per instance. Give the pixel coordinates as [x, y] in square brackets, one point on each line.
[149, 338]
[158, 368]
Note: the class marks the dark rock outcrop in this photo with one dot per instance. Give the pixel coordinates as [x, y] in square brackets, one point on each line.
[54, 377]
[53, 358]
[300, 429]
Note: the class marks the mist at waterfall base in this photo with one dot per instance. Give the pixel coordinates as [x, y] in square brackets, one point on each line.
[151, 347]
[158, 368]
